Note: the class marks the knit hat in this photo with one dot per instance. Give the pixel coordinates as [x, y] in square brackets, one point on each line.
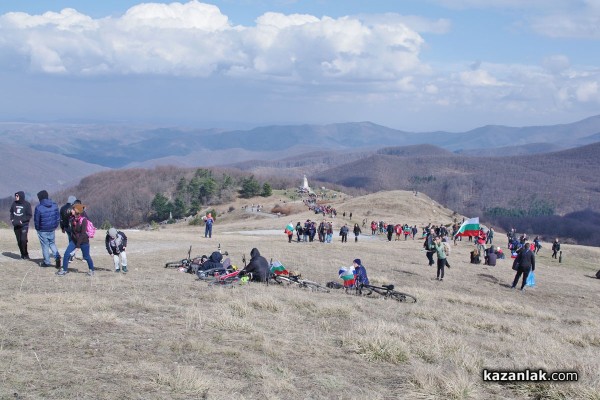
[42, 195]
[78, 208]
[357, 261]
[112, 232]
[71, 199]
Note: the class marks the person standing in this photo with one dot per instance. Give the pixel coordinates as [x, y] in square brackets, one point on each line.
[344, 233]
[525, 264]
[490, 236]
[116, 242]
[357, 232]
[20, 214]
[65, 215]
[209, 220]
[46, 219]
[78, 239]
[555, 248]
[429, 246]
[441, 249]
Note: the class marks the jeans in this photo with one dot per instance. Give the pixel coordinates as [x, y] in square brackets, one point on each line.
[85, 250]
[47, 242]
[441, 263]
[208, 231]
[329, 237]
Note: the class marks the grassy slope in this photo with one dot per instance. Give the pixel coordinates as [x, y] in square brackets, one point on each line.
[157, 333]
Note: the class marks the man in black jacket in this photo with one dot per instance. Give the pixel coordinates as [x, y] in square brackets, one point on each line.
[20, 214]
[525, 264]
[258, 266]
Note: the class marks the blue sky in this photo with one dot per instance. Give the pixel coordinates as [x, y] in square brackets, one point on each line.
[415, 65]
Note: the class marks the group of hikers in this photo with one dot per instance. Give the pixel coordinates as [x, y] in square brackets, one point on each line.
[73, 221]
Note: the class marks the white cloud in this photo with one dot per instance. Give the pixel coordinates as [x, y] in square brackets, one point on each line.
[588, 92]
[196, 39]
[479, 77]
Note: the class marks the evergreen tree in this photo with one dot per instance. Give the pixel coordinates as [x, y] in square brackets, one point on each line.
[250, 187]
[266, 190]
[161, 207]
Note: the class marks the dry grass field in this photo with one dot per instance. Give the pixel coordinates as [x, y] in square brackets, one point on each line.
[156, 333]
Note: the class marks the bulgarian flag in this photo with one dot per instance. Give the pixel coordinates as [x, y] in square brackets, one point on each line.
[347, 275]
[278, 269]
[289, 229]
[469, 228]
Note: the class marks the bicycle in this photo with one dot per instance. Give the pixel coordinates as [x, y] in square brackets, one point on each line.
[185, 263]
[296, 280]
[386, 291]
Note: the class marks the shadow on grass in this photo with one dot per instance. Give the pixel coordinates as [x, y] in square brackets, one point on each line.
[11, 255]
[493, 280]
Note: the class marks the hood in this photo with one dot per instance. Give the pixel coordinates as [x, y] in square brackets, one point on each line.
[21, 196]
[46, 203]
[254, 253]
[216, 256]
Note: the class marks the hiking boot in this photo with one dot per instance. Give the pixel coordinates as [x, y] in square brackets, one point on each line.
[90, 273]
[124, 269]
[58, 260]
[117, 270]
[44, 265]
[61, 272]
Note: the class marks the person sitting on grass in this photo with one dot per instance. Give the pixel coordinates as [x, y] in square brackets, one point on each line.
[360, 272]
[258, 266]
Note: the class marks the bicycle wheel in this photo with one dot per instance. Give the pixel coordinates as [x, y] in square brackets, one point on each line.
[284, 280]
[314, 286]
[174, 264]
[402, 297]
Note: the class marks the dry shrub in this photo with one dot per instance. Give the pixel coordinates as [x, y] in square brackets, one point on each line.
[281, 209]
[184, 380]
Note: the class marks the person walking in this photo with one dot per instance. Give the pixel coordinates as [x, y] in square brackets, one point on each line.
[78, 239]
[20, 214]
[357, 232]
[46, 219]
[390, 232]
[525, 263]
[116, 242]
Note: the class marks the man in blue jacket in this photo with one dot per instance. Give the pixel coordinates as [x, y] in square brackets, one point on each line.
[46, 218]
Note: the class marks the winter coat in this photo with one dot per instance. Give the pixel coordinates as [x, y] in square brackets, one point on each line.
[258, 266]
[79, 234]
[46, 216]
[20, 211]
[116, 245]
[360, 273]
[213, 262]
[526, 260]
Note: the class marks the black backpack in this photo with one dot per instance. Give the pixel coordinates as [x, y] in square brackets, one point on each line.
[598, 274]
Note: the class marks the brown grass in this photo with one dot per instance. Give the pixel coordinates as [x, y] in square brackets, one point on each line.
[157, 333]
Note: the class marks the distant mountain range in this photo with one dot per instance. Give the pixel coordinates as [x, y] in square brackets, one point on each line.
[53, 156]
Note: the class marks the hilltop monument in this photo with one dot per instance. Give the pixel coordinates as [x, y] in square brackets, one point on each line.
[304, 188]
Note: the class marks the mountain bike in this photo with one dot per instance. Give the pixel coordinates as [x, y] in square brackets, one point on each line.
[386, 291]
[186, 262]
[296, 280]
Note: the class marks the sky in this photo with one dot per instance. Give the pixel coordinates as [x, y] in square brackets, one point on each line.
[413, 65]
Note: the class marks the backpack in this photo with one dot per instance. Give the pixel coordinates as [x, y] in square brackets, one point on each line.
[446, 248]
[598, 274]
[91, 229]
